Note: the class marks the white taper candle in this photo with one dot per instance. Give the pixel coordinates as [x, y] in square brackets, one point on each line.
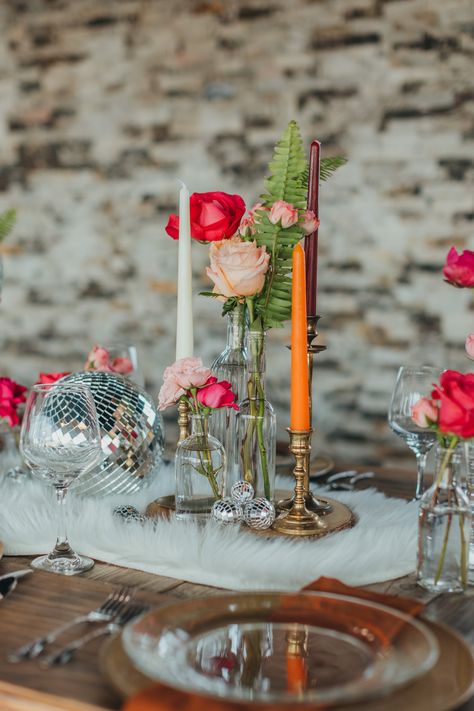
[184, 319]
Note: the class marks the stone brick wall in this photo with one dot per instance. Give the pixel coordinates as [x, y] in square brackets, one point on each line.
[104, 103]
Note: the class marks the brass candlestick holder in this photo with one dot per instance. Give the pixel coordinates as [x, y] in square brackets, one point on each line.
[183, 420]
[299, 520]
[312, 503]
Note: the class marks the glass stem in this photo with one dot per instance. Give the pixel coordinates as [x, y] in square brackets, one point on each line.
[62, 543]
[420, 474]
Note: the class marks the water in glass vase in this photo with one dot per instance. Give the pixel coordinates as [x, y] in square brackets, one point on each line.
[200, 468]
[444, 527]
[231, 365]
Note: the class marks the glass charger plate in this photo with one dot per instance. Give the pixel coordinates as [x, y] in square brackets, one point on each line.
[281, 648]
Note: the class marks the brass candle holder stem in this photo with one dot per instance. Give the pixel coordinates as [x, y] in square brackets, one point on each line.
[299, 521]
[183, 420]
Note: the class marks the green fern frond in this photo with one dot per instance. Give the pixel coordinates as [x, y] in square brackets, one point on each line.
[7, 222]
[330, 165]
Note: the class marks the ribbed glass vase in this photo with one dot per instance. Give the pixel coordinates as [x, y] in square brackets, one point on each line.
[256, 424]
[445, 525]
[200, 468]
[231, 365]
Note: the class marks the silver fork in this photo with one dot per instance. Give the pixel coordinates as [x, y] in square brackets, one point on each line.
[66, 654]
[104, 613]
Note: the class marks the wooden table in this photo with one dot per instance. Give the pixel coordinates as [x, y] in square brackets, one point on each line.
[43, 600]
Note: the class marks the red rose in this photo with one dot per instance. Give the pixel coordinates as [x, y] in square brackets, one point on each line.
[11, 395]
[47, 378]
[214, 216]
[216, 395]
[459, 268]
[455, 393]
[9, 413]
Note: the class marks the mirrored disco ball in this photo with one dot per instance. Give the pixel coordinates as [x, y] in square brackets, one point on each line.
[242, 491]
[132, 435]
[226, 511]
[259, 513]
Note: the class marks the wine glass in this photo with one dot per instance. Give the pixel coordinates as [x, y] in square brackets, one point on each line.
[121, 352]
[60, 440]
[413, 382]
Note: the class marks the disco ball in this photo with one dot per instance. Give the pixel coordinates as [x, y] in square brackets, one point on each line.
[226, 511]
[259, 513]
[242, 492]
[132, 435]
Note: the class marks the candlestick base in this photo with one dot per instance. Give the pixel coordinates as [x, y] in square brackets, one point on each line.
[317, 505]
[183, 420]
[299, 521]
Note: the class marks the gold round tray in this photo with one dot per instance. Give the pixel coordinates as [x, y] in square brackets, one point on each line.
[449, 683]
[339, 517]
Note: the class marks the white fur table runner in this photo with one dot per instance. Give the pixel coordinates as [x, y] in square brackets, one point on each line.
[381, 546]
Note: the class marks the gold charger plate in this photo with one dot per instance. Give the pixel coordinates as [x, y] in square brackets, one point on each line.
[449, 683]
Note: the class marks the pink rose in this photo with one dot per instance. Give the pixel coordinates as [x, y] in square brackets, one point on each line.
[98, 359]
[284, 213]
[459, 268]
[9, 413]
[470, 346]
[247, 227]
[47, 378]
[188, 373]
[237, 268]
[169, 394]
[424, 412]
[216, 395]
[11, 392]
[124, 366]
[310, 222]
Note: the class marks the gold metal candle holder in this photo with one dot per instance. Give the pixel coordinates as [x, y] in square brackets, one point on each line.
[298, 520]
[319, 506]
[183, 420]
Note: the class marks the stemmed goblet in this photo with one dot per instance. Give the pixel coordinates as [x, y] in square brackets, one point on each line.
[413, 382]
[60, 440]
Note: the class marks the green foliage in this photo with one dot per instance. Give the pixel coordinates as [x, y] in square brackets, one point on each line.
[286, 182]
[329, 166]
[7, 222]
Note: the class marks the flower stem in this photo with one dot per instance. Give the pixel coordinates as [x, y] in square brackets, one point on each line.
[439, 479]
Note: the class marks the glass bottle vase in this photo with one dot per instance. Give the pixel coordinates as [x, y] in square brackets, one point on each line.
[11, 461]
[200, 468]
[256, 424]
[444, 525]
[231, 365]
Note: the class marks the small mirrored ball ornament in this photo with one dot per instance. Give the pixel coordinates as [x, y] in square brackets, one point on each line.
[128, 514]
[259, 513]
[227, 511]
[242, 492]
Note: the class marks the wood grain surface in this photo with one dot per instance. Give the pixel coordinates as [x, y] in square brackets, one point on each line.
[44, 600]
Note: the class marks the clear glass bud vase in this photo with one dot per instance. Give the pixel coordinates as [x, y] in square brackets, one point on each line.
[231, 365]
[445, 525]
[256, 424]
[200, 468]
[11, 461]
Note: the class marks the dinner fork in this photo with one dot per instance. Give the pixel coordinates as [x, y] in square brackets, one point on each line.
[66, 654]
[104, 613]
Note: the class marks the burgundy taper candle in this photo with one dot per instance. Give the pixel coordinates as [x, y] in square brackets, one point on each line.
[311, 241]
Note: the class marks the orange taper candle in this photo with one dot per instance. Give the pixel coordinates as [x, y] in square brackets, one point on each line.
[299, 407]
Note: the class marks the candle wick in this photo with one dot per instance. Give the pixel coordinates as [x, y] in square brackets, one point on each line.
[183, 184]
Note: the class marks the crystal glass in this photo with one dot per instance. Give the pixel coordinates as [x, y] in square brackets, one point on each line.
[445, 525]
[200, 468]
[413, 383]
[231, 365]
[11, 461]
[469, 490]
[60, 440]
[256, 424]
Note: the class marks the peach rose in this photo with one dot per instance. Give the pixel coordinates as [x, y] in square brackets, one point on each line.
[237, 268]
[284, 213]
[424, 412]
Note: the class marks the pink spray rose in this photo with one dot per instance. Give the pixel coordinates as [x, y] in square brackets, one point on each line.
[188, 373]
[98, 359]
[459, 268]
[237, 268]
[284, 213]
[310, 222]
[169, 394]
[247, 227]
[470, 346]
[216, 395]
[121, 365]
[424, 412]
